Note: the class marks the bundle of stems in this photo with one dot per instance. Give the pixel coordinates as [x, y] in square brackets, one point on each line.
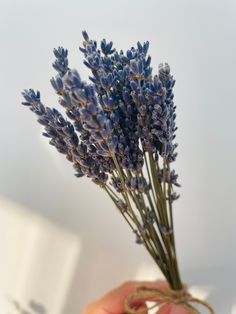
[150, 214]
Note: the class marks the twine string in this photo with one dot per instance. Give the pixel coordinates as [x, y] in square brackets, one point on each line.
[180, 297]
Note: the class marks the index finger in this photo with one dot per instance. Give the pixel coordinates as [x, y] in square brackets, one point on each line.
[113, 302]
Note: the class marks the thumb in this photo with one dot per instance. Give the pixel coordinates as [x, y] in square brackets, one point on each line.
[113, 302]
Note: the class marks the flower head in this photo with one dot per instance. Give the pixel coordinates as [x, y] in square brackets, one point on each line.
[123, 111]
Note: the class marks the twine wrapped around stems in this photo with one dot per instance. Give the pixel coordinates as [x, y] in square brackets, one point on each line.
[180, 297]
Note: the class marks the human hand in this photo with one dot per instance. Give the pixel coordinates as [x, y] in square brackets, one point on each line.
[113, 302]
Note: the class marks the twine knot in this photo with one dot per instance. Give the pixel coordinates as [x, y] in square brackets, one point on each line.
[161, 297]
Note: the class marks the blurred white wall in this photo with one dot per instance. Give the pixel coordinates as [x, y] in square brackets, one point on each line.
[38, 261]
[197, 38]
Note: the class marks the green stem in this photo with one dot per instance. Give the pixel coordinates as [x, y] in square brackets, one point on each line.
[117, 205]
[149, 176]
[161, 197]
[112, 192]
[156, 246]
[151, 230]
[147, 243]
[155, 237]
[173, 235]
[157, 188]
[150, 250]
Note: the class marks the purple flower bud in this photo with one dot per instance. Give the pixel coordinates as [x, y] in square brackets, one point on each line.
[85, 35]
[112, 144]
[165, 230]
[61, 62]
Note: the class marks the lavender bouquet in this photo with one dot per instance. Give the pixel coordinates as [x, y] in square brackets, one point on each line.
[120, 133]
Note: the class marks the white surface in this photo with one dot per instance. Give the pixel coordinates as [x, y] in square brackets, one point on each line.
[38, 260]
[197, 38]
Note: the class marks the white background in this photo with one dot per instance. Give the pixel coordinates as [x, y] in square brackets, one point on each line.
[197, 39]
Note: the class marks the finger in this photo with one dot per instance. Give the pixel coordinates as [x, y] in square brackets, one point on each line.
[141, 308]
[131, 287]
[173, 309]
[113, 302]
[165, 309]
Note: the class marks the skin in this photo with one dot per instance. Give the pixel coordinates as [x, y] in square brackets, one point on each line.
[113, 302]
